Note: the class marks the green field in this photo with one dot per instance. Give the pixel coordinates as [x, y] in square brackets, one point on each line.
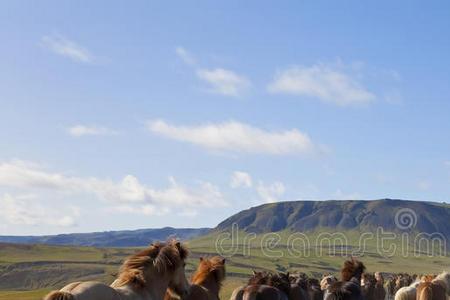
[30, 271]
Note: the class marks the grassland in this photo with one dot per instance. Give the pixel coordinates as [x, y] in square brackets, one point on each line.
[30, 271]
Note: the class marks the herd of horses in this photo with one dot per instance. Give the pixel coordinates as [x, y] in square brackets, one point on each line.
[158, 273]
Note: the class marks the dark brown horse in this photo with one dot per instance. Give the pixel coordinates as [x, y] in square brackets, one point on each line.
[299, 287]
[349, 288]
[380, 292]
[265, 286]
[314, 290]
[368, 283]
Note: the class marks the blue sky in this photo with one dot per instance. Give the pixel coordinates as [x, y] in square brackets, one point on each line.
[122, 115]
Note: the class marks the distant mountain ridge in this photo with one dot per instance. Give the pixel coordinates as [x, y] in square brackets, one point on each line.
[390, 214]
[301, 216]
[124, 238]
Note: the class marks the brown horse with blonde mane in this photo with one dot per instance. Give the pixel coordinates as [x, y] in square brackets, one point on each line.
[206, 281]
[143, 276]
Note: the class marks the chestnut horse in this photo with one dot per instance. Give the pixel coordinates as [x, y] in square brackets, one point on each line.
[143, 276]
[435, 289]
[207, 280]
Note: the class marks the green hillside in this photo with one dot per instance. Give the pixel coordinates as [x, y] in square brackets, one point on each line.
[37, 268]
[300, 236]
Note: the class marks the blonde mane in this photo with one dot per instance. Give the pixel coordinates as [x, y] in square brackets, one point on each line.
[210, 267]
[159, 257]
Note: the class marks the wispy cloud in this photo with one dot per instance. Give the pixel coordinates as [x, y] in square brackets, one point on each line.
[82, 130]
[219, 80]
[225, 82]
[340, 195]
[185, 56]
[271, 192]
[233, 136]
[324, 82]
[240, 179]
[19, 210]
[128, 192]
[67, 48]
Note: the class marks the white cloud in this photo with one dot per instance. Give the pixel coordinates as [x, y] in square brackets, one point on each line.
[82, 130]
[146, 210]
[270, 193]
[323, 82]
[129, 191]
[24, 211]
[240, 179]
[237, 137]
[67, 48]
[340, 195]
[185, 56]
[224, 82]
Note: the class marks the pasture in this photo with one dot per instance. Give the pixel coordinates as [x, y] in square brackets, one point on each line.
[29, 271]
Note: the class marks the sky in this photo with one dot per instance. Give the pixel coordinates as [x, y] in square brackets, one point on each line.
[143, 114]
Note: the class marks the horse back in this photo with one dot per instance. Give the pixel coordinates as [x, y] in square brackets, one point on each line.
[91, 291]
[298, 293]
[263, 292]
[197, 292]
[238, 293]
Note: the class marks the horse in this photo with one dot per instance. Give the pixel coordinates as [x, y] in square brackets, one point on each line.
[368, 283]
[349, 288]
[326, 281]
[145, 275]
[299, 287]
[380, 292]
[314, 290]
[390, 288]
[264, 285]
[434, 288]
[407, 292]
[207, 280]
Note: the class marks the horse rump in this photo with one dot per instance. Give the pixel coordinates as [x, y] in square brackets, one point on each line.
[58, 295]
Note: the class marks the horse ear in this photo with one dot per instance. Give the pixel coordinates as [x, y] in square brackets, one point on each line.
[201, 258]
[223, 261]
[254, 272]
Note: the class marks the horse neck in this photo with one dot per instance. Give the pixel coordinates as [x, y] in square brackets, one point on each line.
[155, 288]
[210, 283]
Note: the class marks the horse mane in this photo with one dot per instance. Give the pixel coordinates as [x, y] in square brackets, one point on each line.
[352, 268]
[161, 257]
[336, 291]
[281, 282]
[390, 285]
[327, 281]
[258, 278]
[444, 277]
[425, 291]
[428, 278]
[210, 267]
